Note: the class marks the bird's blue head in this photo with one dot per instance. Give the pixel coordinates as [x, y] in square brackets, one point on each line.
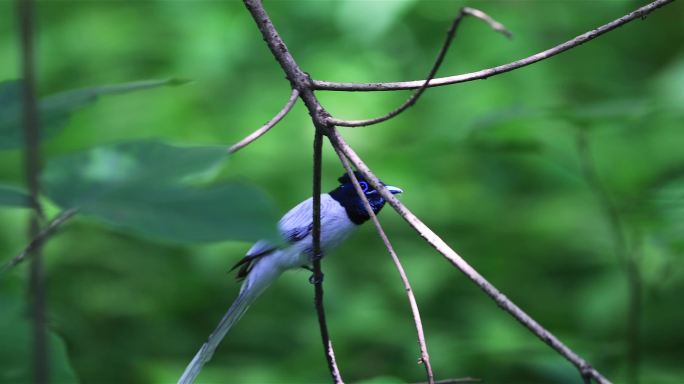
[346, 195]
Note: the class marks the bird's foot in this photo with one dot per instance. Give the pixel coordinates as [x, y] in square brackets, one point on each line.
[316, 279]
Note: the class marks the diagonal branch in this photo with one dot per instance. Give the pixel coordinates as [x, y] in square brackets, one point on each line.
[489, 72]
[451, 33]
[436, 242]
[424, 356]
[266, 127]
[39, 239]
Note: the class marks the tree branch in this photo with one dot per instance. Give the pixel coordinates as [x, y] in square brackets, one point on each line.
[451, 33]
[438, 244]
[317, 278]
[626, 258]
[25, 13]
[489, 72]
[39, 239]
[266, 127]
[424, 356]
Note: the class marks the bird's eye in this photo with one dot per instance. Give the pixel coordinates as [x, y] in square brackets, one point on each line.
[364, 186]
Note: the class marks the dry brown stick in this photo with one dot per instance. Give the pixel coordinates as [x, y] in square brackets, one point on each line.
[39, 238]
[451, 33]
[489, 72]
[586, 370]
[266, 127]
[424, 356]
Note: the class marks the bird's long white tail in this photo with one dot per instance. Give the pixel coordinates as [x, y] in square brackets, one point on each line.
[253, 286]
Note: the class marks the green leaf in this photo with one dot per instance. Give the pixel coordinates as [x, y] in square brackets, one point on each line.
[188, 214]
[14, 197]
[15, 349]
[146, 187]
[56, 110]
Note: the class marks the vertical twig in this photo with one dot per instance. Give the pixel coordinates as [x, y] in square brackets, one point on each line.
[317, 278]
[25, 14]
[626, 258]
[424, 356]
[300, 81]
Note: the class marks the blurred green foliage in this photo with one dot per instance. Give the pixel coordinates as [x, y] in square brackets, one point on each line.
[493, 166]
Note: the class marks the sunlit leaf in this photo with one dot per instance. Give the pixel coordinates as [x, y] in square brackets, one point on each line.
[145, 186]
[14, 197]
[55, 110]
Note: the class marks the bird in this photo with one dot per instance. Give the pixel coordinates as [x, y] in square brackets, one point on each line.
[342, 211]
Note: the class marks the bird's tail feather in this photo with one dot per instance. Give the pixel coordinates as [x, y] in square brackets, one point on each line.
[235, 312]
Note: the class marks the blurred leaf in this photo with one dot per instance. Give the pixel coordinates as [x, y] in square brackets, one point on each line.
[55, 110]
[670, 201]
[15, 349]
[501, 116]
[144, 186]
[14, 197]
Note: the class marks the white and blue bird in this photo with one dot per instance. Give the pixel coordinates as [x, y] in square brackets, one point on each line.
[342, 211]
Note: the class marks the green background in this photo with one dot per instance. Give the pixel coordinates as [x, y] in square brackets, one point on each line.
[492, 166]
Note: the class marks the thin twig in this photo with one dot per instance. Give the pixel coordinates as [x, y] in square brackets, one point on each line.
[317, 278]
[266, 127]
[301, 82]
[451, 33]
[626, 258]
[459, 380]
[436, 242]
[489, 72]
[424, 356]
[39, 239]
[25, 13]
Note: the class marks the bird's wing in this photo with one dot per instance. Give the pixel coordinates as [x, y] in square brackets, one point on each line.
[295, 225]
[260, 249]
[297, 222]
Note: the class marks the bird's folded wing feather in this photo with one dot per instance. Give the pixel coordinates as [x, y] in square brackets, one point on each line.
[295, 225]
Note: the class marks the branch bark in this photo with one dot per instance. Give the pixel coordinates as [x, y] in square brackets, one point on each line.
[489, 72]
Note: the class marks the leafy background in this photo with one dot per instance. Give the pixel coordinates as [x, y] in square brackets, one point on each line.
[493, 166]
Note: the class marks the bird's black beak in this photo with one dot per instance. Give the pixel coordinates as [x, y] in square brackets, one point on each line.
[393, 190]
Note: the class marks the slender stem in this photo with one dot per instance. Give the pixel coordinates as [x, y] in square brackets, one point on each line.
[266, 127]
[455, 259]
[424, 356]
[39, 239]
[626, 258]
[489, 72]
[317, 277]
[451, 33]
[459, 380]
[25, 12]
